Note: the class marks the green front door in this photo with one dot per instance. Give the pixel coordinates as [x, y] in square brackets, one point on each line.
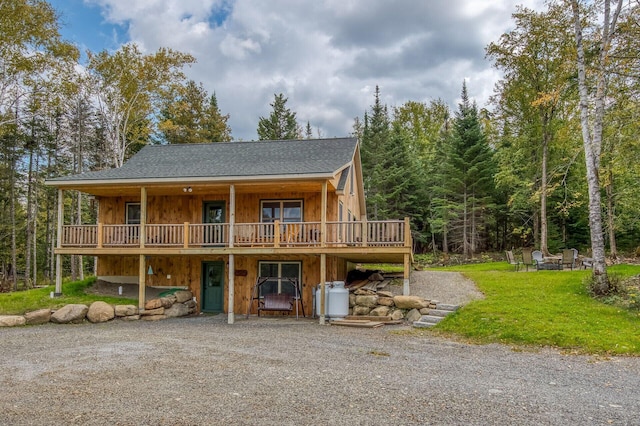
[212, 286]
[213, 215]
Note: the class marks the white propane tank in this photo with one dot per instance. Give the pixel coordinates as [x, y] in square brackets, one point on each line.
[338, 301]
[327, 286]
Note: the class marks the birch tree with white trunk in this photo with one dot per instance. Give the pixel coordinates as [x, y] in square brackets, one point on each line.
[593, 91]
[128, 86]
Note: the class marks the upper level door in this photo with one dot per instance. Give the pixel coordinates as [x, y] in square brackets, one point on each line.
[213, 214]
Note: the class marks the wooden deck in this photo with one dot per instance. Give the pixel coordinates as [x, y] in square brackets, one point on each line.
[198, 238]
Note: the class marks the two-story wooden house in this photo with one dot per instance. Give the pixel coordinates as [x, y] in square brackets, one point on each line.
[215, 217]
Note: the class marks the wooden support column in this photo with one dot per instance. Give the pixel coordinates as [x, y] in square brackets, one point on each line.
[323, 218]
[232, 267]
[58, 290]
[407, 271]
[142, 283]
[365, 231]
[323, 279]
[185, 235]
[232, 214]
[143, 216]
[276, 234]
[407, 257]
[99, 236]
[230, 314]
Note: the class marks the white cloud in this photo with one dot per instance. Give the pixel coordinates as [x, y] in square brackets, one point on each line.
[325, 56]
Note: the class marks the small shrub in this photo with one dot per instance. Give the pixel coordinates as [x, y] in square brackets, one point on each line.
[622, 292]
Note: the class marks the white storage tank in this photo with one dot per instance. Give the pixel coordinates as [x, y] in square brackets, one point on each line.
[338, 301]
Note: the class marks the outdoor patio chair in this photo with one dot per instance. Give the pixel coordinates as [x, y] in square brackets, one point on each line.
[527, 259]
[568, 258]
[538, 259]
[512, 260]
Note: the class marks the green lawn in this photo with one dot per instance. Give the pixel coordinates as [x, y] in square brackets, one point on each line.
[19, 302]
[543, 308]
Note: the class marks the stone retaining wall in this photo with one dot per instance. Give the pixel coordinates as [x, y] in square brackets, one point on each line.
[384, 303]
[179, 304]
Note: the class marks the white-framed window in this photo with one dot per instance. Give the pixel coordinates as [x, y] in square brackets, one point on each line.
[279, 270]
[132, 213]
[282, 210]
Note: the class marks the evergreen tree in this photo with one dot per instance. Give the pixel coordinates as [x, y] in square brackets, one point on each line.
[191, 116]
[281, 123]
[469, 182]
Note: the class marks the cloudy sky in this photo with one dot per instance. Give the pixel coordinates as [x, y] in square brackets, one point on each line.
[325, 56]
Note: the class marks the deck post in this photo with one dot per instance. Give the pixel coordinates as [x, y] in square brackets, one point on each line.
[58, 290]
[323, 279]
[407, 271]
[143, 216]
[185, 235]
[142, 284]
[99, 236]
[231, 315]
[276, 234]
[232, 214]
[323, 219]
[365, 231]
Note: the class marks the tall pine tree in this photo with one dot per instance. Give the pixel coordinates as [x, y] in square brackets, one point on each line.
[470, 178]
[281, 123]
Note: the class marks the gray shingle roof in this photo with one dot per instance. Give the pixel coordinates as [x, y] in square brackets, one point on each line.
[229, 160]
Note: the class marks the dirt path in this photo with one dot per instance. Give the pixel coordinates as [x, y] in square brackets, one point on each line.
[445, 287]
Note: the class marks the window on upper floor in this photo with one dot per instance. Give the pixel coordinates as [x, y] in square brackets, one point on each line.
[132, 213]
[282, 210]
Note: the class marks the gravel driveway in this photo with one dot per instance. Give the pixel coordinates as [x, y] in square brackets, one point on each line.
[200, 370]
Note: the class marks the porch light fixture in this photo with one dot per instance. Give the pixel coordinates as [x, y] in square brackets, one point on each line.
[150, 271]
[187, 189]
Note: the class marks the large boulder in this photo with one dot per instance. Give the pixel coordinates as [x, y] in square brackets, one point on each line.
[177, 310]
[183, 295]
[380, 311]
[385, 301]
[370, 301]
[410, 302]
[413, 315]
[396, 315]
[361, 310]
[100, 312]
[41, 316]
[153, 304]
[130, 318]
[70, 314]
[126, 310]
[12, 320]
[151, 312]
[167, 301]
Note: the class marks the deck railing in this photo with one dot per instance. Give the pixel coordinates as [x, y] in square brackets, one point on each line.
[391, 233]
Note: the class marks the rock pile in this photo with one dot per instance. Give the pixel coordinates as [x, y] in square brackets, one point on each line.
[178, 304]
[368, 302]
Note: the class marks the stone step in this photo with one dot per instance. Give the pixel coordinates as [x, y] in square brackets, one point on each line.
[447, 307]
[439, 312]
[431, 319]
[420, 324]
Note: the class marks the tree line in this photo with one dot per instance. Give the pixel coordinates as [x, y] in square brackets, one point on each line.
[555, 148]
